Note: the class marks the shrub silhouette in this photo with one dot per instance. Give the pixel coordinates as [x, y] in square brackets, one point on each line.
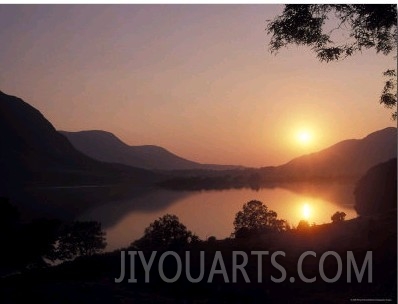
[257, 218]
[165, 232]
[338, 217]
[79, 239]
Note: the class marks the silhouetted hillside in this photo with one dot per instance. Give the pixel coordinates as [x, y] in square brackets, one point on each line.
[376, 191]
[345, 161]
[105, 146]
[34, 152]
[349, 158]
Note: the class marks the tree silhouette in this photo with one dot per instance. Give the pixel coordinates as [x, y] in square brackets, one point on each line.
[257, 218]
[28, 244]
[211, 239]
[165, 232]
[389, 94]
[24, 244]
[338, 217]
[368, 26]
[79, 239]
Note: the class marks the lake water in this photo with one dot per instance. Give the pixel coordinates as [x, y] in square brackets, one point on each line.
[211, 213]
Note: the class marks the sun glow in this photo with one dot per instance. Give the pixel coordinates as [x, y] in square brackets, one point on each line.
[304, 137]
[306, 211]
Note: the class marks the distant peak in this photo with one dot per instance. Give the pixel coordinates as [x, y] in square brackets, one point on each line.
[96, 132]
[385, 130]
[97, 135]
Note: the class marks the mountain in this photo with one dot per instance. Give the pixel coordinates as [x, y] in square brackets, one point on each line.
[33, 152]
[105, 146]
[349, 158]
[376, 191]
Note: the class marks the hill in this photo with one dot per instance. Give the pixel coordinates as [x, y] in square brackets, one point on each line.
[346, 159]
[376, 191]
[105, 146]
[34, 153]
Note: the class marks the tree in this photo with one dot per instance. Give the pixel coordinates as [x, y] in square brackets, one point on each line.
[368, 26]
[338, 217]
[24, 244]
[211, 239]
[165, 232]
[389, 93]
[79, 239]
[256, 218]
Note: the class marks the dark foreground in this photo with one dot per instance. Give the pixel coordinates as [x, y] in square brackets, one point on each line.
[92, 279]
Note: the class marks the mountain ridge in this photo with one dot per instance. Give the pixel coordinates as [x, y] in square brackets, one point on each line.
[106, 146]
[353, 155]
[34, 152]
[345, 161]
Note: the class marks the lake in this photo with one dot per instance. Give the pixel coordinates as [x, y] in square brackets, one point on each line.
[211, 213]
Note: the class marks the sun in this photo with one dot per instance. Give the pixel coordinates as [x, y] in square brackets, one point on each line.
[306, 211]
[304, 137]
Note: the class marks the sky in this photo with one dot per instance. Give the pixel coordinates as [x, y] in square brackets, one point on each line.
[198, 80]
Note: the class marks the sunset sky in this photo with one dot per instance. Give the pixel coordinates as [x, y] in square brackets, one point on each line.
[195, 79]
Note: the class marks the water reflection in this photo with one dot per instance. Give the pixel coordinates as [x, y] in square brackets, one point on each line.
[210, 213]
